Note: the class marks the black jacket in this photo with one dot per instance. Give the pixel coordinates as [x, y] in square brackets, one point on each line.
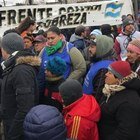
[19, 92]
[120, 119]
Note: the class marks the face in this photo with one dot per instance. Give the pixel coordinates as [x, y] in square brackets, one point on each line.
[130, 17]
[110, 79]
[39, 46]
[27, 43]
[92, 37]
[129, 28]
[53, 38]
[5, 55]
[132, 56]
[49, 74]
[92, 50]
[87, 31]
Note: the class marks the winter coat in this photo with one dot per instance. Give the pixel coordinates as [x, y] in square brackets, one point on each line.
[122, 41]
[81, 118]
[105, 55]
[52, 96]
[44, 123]
[78, 42]
[52, 90]
[120, 119]
[19, 92]
[76, 65]
[88, 86]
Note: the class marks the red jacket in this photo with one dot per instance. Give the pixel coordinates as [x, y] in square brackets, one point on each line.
[81, 119]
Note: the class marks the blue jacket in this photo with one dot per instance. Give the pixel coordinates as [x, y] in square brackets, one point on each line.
[64, 55]
[88, 87]
[44, 123]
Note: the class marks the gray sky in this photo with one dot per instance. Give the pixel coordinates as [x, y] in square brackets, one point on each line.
[13, 2]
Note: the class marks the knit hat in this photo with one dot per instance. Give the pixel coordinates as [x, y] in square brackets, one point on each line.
[12, 42]
[127, 21]
[44, 122]
[56, 66]
[96, 32]
[71, 91]
[120, 69]
[134, 46]
[123, 17]
[39, 38]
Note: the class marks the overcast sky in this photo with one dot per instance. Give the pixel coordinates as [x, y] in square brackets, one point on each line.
[13, 2]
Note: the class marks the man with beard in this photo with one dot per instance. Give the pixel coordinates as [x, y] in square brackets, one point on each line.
[102, 54]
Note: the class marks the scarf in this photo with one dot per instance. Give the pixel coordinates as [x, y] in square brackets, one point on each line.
[109, 90]
[53, 49]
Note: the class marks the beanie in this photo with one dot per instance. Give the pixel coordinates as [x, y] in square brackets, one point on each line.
[96, 32]
[44, 122]
[56, 66]
[123, 17]
[134, 46]
[127, 21]
[71, 91]
[12, 42]
[120, 69]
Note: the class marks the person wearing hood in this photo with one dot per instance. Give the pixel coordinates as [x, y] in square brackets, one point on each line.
[19, 91]
[81, 112]
[44, 122]
[102, 54]
[120, 106]
[128, 34]
[78, 38]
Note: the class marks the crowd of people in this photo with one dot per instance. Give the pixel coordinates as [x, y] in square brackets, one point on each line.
[80, 87]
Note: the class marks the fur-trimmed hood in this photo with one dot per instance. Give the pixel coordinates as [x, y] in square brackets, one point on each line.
[21, 57]
[31, 60]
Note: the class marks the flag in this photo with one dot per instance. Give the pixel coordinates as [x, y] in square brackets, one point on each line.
[113, 9]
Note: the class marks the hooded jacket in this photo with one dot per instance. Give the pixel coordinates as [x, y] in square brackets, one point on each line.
[81, 118]
[19, 91]
[105, 55]
[44, 123]
[78, 42]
